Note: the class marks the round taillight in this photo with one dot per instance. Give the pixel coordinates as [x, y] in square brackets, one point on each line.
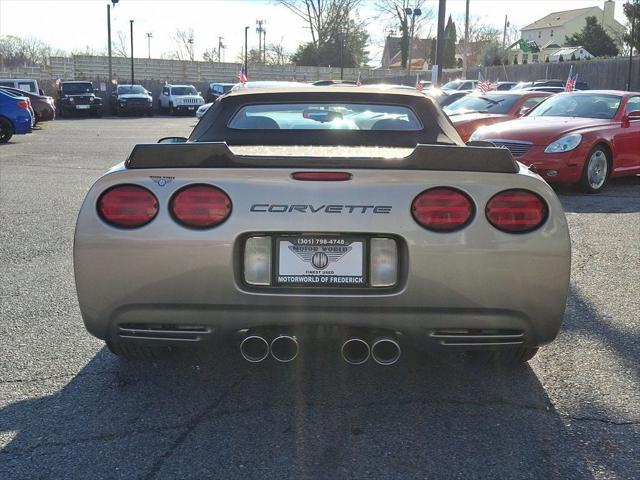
[200, 206]
[516, 211]
[442, 209]
[127, 206]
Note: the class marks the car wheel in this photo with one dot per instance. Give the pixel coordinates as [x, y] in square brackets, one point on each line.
[596, 170]
[6, 130]
[171, 109]
[133, 351]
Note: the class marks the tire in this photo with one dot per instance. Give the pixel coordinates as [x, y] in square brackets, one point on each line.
[6, 130]
[171, 109]
[160, 109]
[597, 169]
[150, 112]
[134, 351]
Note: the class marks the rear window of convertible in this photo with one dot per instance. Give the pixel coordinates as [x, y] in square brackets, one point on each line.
[325, 116]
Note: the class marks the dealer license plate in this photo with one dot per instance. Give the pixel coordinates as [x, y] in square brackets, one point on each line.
[192, 108]
[83, 107]
[325, 261]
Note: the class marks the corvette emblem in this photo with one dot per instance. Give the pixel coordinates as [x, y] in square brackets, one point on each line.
[319, 259]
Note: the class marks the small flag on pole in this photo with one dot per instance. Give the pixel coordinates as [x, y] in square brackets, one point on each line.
[359, 80]
[484, 85]
[242, 76]
[570, 84]
[419, 85]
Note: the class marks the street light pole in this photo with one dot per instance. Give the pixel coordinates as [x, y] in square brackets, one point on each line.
[246, 66]
[264, 45]
[632, 42]
[149, 35]
[109, 48]
[465, 59]
[131, 27]
[416, 12]
[341, 55]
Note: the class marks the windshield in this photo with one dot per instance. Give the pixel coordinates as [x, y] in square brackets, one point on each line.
[77, 88]
[482, 103]
[325, 116]
[454, 85]
[127, 89]
[183, 91]
[578, 105]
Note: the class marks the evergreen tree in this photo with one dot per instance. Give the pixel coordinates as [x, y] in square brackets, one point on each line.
[594, 39]
[450, 39]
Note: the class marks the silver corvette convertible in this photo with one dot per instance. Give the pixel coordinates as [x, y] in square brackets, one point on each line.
[352, 215]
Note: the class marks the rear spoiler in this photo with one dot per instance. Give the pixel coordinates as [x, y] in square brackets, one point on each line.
[423, 157]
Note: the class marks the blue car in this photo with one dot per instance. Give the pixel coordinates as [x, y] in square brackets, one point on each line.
[15, 116]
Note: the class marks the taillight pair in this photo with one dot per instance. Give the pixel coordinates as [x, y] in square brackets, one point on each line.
[195, 206]
[445, 209]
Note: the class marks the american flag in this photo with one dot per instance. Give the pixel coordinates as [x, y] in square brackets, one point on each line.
[359, 80]
[484, 85]
[570, 84]
[419, 85]
[242, 76]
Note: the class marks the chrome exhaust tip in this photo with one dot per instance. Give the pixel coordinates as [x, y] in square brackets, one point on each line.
[385, 351]
[284, 348]
[254, 348]
[355, 351]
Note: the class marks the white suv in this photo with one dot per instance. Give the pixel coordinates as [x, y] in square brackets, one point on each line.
[179, 98]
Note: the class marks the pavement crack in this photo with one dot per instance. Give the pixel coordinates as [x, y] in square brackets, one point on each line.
[57, 376]
[190, 427]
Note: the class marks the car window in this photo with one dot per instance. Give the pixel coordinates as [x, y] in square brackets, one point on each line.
[77, 88]
[183, 91]
[531, 102]
[325, 116]
[494, 103]
[579, 105]
[467, 86]
[633, 104]
[6, 84]
[129, 89]
[27, 86]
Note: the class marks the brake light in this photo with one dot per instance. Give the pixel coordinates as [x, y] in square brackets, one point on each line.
[24, 104]
[442, 209]
[322, 176]
[127, 206]
[200, 206]
[516, 211]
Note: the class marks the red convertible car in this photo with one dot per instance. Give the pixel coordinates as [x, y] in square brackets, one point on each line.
[480, 109]
[580, 137]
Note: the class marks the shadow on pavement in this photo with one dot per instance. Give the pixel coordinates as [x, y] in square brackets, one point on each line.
[622, 195]
[210, 414]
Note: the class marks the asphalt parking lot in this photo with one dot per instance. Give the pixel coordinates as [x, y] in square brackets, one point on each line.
[70, 409]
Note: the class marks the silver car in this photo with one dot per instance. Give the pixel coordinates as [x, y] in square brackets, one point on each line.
[349, 215]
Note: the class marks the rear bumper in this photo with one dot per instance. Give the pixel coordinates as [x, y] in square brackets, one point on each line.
[22, 123]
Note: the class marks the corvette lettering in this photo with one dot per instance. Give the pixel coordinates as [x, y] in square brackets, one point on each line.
[285, 208]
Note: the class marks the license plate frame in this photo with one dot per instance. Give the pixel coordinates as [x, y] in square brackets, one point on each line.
[83, 107]
[333, 246]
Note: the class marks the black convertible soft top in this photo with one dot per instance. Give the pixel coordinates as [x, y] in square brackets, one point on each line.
[437, 127]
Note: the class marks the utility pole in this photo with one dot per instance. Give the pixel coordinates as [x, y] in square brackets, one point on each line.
[131, 27]
[440, 42]
[636, 8]
[465, 58]
[149, 35]
[109, 84]
[259, 30]
[264, 45]
[341, 55]
[504, 32]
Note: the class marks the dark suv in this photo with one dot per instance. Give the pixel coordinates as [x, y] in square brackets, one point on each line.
[78, 97]
[131, 99]
[216, 90]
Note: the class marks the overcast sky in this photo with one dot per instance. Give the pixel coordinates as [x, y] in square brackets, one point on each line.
[74, 24]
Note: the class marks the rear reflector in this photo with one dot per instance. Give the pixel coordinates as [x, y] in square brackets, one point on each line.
[516, 211]
[442, 209]
[127, 206]
[322, 176]
[200, 206]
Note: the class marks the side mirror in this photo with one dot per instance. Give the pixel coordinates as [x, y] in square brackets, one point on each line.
[634, 115]
[172, 140]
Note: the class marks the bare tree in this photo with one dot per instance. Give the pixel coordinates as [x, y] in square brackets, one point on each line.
[396, 11]
[119, 46]
[19, 51]
[276, 54]
[323, 17]
[183, 40]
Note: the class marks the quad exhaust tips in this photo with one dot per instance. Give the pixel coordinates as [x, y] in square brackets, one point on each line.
[385, 351]
[255, 348]
[355, 351]
[284, 348]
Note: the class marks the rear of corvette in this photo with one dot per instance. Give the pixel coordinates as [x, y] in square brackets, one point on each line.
[452, 258]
